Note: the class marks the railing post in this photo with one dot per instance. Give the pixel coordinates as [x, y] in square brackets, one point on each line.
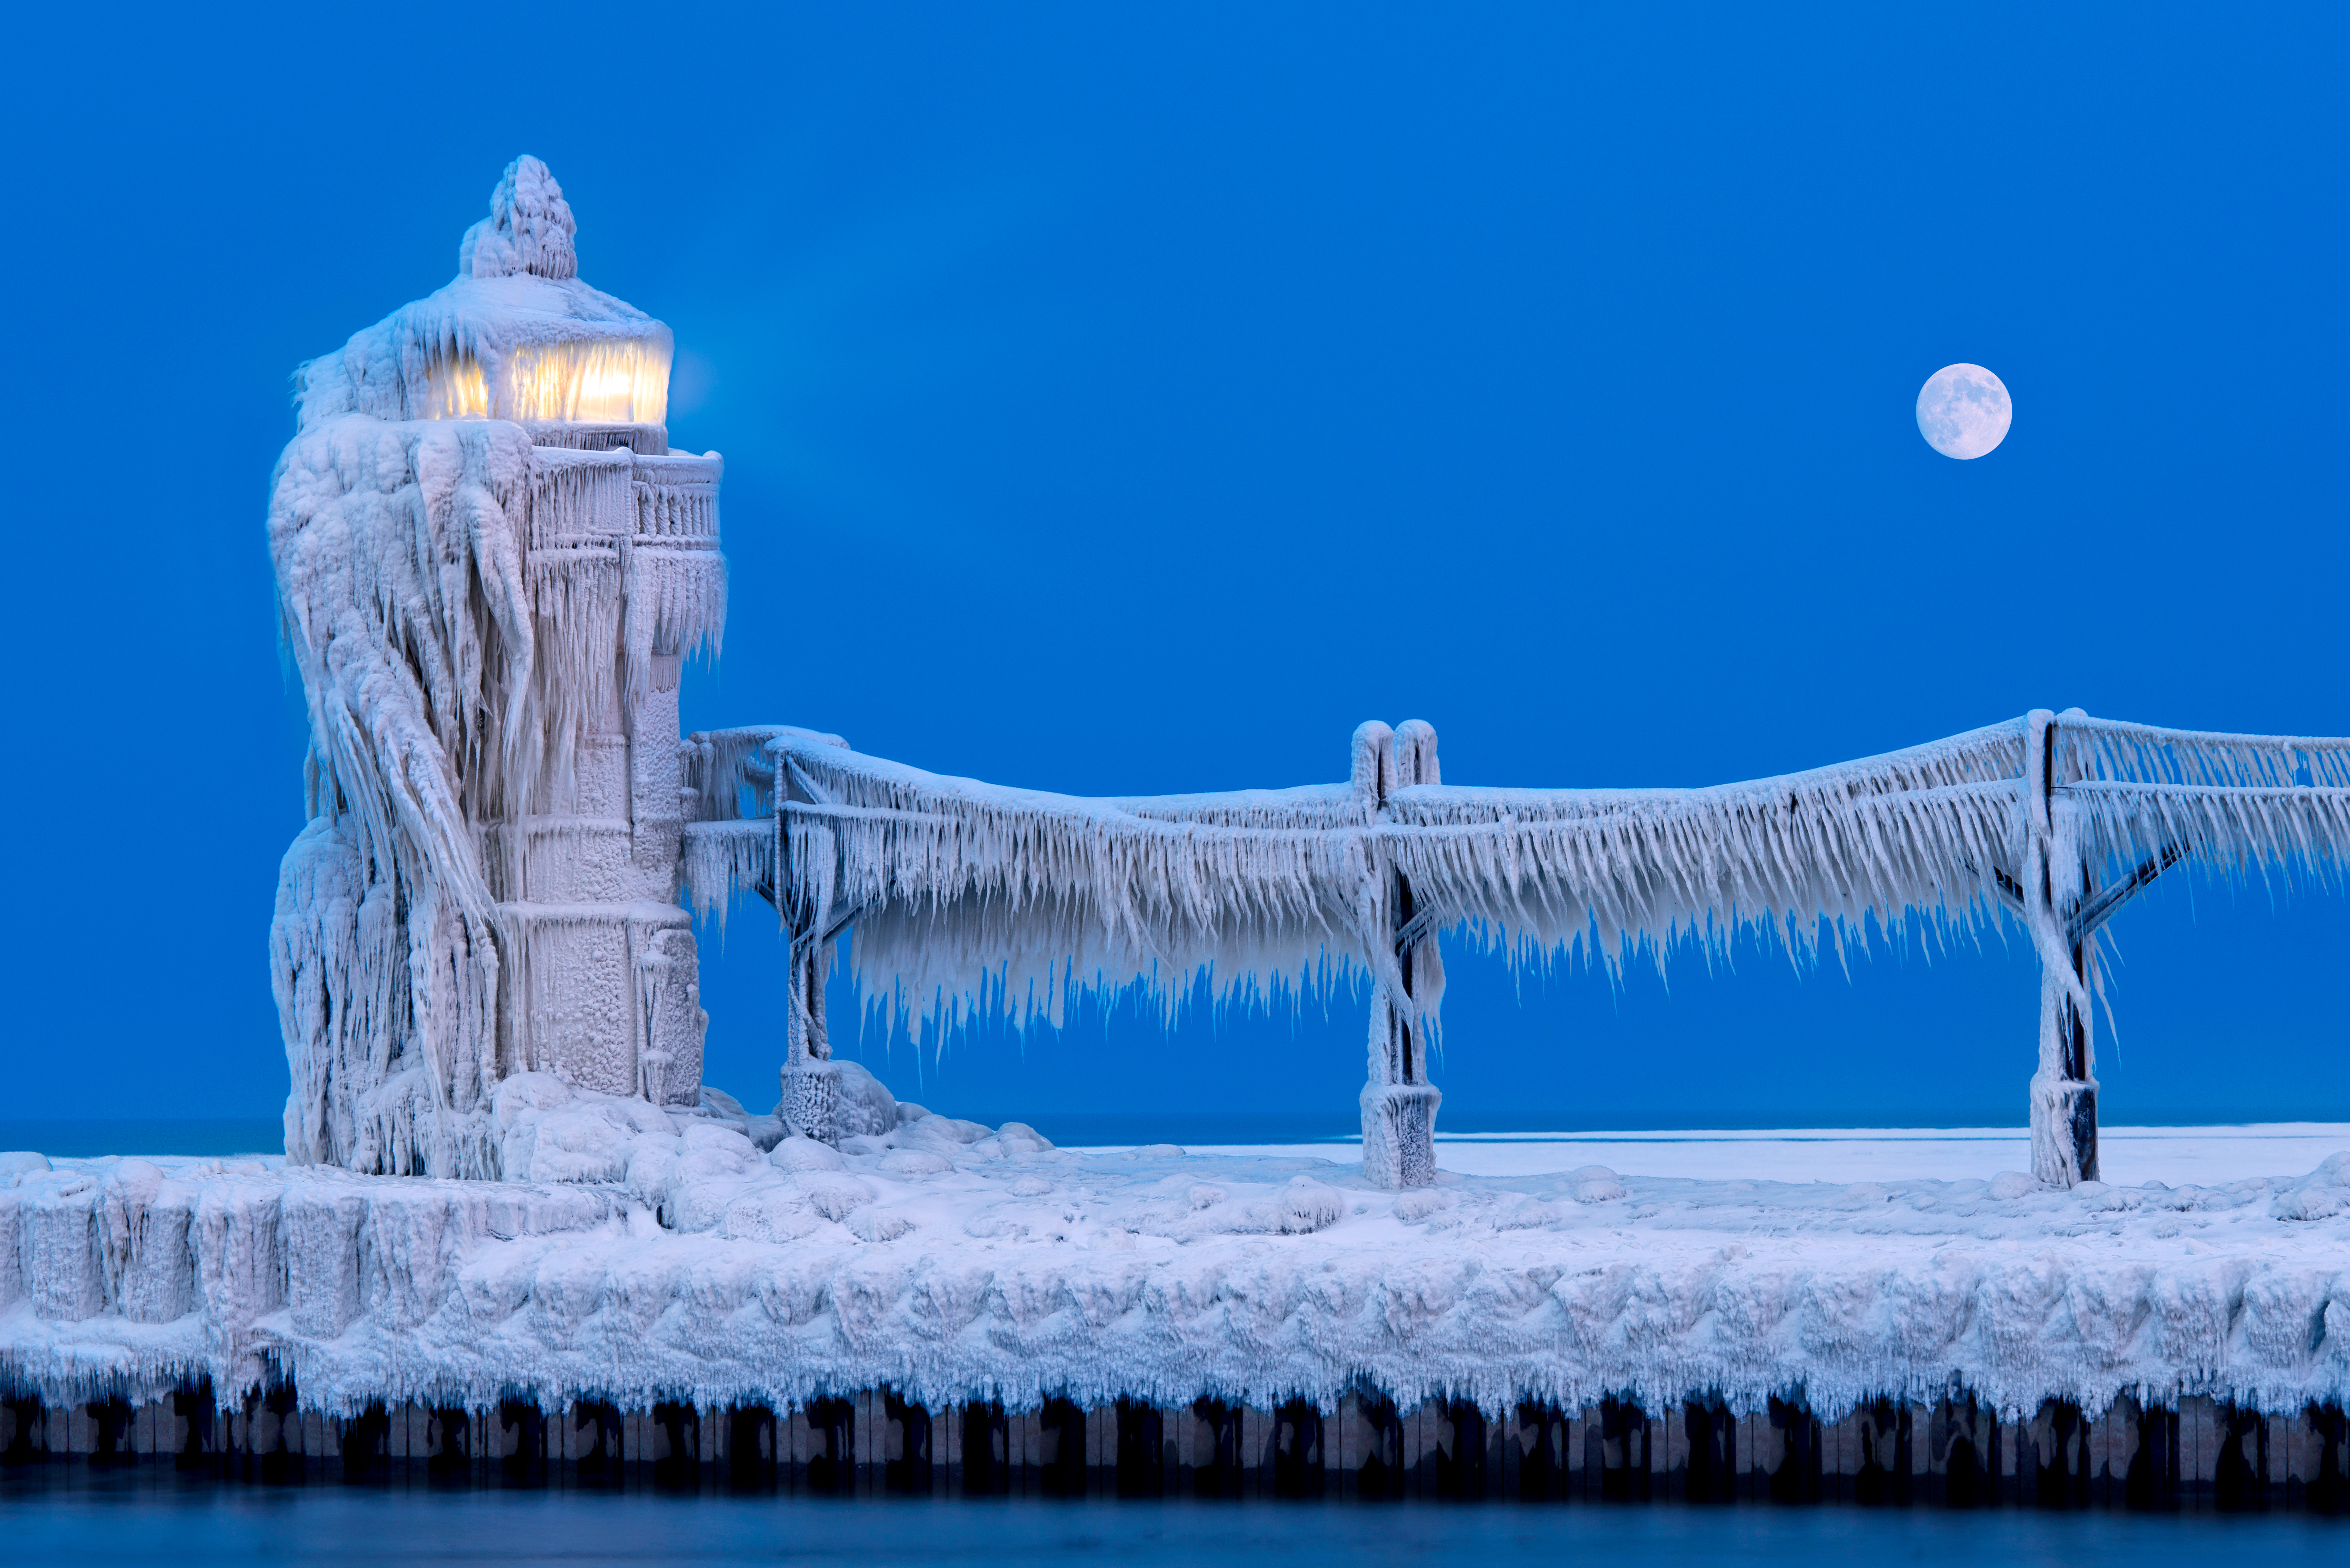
[1399, 1103]
[2055, 885]
[810, 1105]
[811, 1079]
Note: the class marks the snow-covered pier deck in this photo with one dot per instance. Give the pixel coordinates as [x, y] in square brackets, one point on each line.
[948, 1307]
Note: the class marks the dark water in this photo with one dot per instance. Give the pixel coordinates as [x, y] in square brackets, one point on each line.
[95, 1522]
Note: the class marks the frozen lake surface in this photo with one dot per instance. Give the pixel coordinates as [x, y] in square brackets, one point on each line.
[2132, 1156]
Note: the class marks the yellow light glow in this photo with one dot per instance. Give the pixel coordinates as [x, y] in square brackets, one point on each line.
[594, 381]
[598, 382]
[456, 392]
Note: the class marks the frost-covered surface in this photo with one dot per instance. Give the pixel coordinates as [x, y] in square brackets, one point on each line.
[970, 896]
[657, 1255]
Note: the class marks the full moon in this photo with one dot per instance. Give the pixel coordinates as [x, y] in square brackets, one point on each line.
[1963, 411]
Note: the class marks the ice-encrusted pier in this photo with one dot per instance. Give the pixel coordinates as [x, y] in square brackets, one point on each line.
[513, 1235]
[812, 1318]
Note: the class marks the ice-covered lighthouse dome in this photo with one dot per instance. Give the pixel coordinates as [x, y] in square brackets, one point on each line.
[515, 335]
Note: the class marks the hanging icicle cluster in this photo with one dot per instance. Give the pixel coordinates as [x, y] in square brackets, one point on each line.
[400, 578]
[969, 897]
[2239, 805]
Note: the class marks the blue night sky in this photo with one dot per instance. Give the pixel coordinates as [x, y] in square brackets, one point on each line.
[1127, 401]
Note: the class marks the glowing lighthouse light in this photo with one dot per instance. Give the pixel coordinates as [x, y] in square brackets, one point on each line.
[517, 335]
[594, 380]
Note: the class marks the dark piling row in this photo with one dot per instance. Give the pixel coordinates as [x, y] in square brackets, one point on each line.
[2201, 1455]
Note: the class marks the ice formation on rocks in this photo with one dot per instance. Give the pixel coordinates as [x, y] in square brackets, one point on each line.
[489, 569]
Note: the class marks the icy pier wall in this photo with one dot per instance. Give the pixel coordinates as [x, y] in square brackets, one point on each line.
[678, 1264]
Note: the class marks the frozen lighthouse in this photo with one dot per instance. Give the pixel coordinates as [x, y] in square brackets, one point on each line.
[491, 568]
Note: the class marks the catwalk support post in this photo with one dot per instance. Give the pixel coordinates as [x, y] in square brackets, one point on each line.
[1399, 1103]
[805, 862]
[2056, 877]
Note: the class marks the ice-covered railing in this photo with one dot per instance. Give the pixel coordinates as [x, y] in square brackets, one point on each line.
[968, 891]
[969, 898]
[2251, 805]
[730, 825]
[1919, 832]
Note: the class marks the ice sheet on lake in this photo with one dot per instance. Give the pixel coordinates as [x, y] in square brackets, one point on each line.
[2132, 1154]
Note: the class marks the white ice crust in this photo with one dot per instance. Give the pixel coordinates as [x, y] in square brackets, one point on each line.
[636, 1254]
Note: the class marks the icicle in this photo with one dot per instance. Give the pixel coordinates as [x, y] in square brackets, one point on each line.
[400, 578]
[724, 859]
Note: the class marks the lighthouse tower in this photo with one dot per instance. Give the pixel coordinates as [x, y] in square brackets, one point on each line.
[491, 570]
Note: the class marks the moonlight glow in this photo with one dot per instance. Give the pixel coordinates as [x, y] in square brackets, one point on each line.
[1963, 410]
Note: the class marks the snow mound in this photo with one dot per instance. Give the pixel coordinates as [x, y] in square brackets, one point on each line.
[19, 1163]
[1307, 1206]
[866, 1107]
[798, 1153]
[1595, 1184]
[2321, 1195]
[550, 1131]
